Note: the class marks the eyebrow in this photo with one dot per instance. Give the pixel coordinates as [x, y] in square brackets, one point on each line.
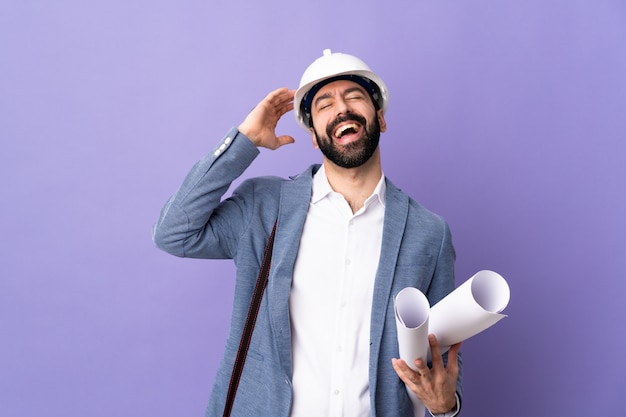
[344, 92]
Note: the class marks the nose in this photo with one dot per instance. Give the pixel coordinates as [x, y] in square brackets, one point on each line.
[342, 106]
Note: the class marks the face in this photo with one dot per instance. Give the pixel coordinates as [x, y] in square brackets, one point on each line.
[346, 125]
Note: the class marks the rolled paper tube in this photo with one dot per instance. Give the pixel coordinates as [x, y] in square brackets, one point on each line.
[412, 308]
[468, 310]
[471, 308]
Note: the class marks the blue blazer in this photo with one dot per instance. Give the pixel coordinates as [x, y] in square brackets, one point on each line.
[196, 222]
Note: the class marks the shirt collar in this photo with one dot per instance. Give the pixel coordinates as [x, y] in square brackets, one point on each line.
[322, 188]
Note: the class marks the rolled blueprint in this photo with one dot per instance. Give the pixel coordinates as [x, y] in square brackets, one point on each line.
[468, 310]
[412, 308]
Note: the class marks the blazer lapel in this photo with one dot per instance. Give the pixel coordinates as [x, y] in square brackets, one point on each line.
[294, 202]
[396, 213]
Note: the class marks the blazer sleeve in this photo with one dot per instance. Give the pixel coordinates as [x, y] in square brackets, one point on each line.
[195, 222]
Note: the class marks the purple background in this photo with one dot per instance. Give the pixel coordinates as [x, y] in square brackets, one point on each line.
[508, 118]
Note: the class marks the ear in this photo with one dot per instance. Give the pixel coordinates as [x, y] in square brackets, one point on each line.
[381, 120]
[314, 138]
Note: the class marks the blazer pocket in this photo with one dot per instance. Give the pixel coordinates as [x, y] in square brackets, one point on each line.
[415, 261]
[415, 272]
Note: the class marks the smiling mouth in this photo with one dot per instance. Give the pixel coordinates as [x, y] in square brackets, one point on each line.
[347, 128]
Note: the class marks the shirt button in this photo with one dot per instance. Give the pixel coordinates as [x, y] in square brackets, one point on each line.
[336, 392]
[217, 152]
[228, 140]
[222, 146]
[348, 261]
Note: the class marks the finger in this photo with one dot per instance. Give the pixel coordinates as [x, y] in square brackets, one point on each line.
[453, 358]
[285, 140]
[274, 100]
[399, 365]
[285, 108]
[422, 368]
[281, 105]
[406, 374]
[280, 97]
[435, 352]
[272, 95]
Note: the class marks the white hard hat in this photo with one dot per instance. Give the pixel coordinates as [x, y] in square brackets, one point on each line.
[332, 65]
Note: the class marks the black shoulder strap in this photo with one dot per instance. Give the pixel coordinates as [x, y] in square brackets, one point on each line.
[244, 344]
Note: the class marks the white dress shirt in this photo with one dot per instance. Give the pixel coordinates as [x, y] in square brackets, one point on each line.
[330, 303]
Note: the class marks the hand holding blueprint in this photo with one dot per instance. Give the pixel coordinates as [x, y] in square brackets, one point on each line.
[468, 310]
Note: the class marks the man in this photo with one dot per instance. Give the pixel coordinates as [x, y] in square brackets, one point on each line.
[347, 241]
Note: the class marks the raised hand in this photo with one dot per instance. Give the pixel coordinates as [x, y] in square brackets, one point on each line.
[260, 124]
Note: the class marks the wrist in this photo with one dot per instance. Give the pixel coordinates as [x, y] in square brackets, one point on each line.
[245, 130]
[451, 412]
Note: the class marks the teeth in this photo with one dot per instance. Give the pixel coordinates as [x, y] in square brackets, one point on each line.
[340, 131]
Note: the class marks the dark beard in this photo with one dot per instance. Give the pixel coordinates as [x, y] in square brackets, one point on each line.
[353, 154]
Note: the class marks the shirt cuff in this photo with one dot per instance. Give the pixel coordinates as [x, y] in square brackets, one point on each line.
[453, 412]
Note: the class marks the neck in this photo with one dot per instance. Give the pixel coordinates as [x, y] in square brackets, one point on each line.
[355, 184]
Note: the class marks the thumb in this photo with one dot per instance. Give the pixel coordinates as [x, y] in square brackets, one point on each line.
[285, 140]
